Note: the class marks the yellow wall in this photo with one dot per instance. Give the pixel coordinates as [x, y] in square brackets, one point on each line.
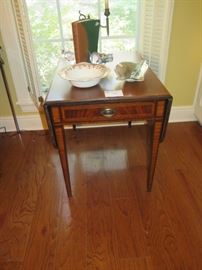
[185, 51]
[200, 30]
[184, 58]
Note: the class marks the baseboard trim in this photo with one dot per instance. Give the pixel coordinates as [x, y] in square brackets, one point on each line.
[27, 122]
[33, 122]
[182, 114]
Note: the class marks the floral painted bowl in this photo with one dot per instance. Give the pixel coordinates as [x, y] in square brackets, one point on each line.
[84, 74]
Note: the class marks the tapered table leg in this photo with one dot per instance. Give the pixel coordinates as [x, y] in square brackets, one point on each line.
[60, 138]
[155, 134]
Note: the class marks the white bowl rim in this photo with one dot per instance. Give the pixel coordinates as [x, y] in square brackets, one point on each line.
[71, 67]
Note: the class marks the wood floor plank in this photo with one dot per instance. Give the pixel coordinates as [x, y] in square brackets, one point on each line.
[46, 219]
[175, 192]
[136, 264]
[18, 200]
[129, 229]
[111, 222]
[101, 238]
[184, 214]
[72, 238]
[161, 237]
[122, 184]
[182, 226]
[10, 266]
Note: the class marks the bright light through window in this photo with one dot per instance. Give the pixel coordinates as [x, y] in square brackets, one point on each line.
[51, 29]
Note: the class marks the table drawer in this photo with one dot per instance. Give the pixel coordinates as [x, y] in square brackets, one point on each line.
[107, 112]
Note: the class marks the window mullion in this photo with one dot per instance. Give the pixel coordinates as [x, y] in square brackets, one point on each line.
[99, 16]
[60, 24]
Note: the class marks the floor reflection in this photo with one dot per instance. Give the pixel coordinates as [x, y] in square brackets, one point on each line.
[94, 161]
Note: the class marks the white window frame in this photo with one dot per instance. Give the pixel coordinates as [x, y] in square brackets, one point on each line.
[14, 55]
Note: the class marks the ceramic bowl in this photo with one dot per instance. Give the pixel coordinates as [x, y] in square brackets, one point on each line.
[84, 74]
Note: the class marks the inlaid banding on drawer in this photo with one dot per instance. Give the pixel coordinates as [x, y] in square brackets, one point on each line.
[92, 113]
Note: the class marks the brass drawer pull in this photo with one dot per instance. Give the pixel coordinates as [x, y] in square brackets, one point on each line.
[107, 112]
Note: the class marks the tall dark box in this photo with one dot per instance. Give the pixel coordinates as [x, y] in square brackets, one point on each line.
[85, 37]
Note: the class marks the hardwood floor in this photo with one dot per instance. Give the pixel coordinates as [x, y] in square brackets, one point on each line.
[111, 222]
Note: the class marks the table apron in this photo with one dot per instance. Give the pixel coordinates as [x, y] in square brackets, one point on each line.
[113, 112]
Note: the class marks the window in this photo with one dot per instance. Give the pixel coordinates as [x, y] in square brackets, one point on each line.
[141, 24]
[50, 23]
